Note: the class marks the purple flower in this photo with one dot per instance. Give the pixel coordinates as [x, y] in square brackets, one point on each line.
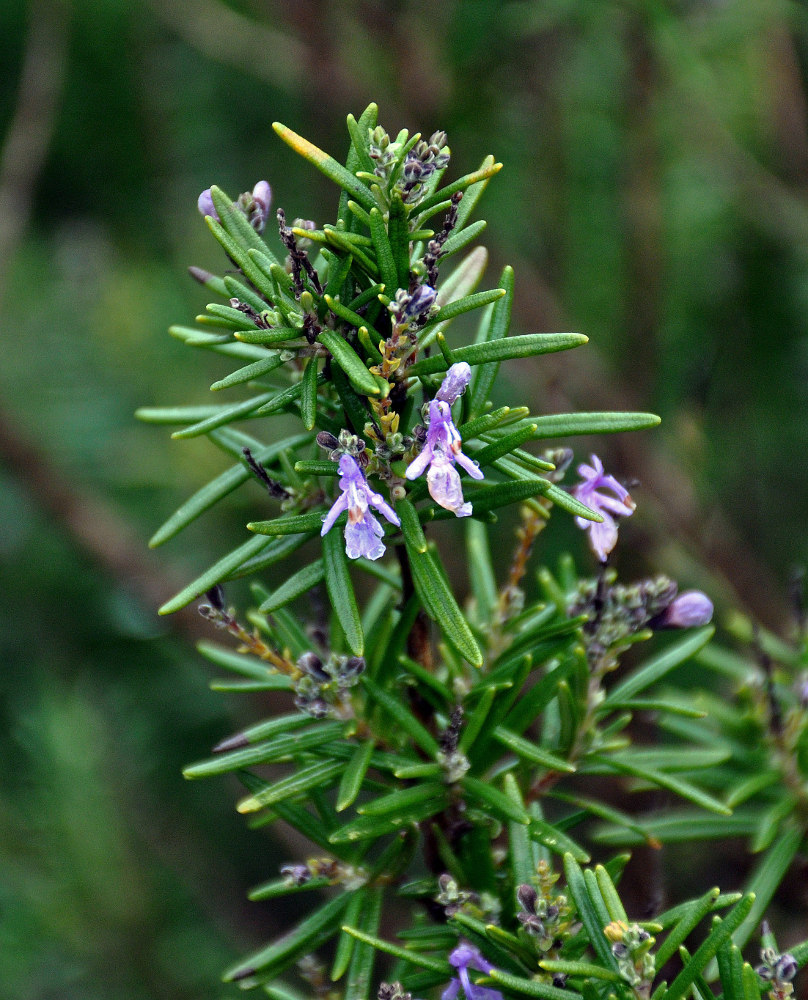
[690, 609]
[602, 534]
[443, 446]
[206, 206]
[363, 533]
[464, 957]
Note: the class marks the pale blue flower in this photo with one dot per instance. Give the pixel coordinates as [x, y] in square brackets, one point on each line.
[443, 445]
[363, 533]
[463, 958]
[602, 534]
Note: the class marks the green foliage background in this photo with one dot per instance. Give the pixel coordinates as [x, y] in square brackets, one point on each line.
[653, 197]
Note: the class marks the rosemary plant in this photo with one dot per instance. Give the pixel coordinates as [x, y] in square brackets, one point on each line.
[446, 753]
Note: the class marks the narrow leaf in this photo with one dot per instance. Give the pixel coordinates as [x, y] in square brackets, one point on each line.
[341, 592]
[528, 345]
[218, 572]
[317, 775]
[354, 774]
[401, 716]
[722, 929]
[350, 362]
[312, 932]
[327, 165]
[294, 586]
[655, 669]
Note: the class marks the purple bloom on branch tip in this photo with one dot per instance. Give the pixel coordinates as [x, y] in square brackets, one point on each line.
[363, 533]
[602, 534]
[689, 610]
[463, 958]
[442, 448]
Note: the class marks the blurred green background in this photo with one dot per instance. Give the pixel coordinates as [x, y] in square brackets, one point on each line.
[654, 197]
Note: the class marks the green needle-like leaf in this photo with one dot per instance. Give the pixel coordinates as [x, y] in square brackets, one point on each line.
[388, 270]
[463, 305]
[374, 827]
[341, 592]
[654, 670]
[676, 785]
[413, 957]
[253, 371]
[282, 747]
[526, 750]
[722, 929]
[398, 232]
[354, 775]
[531, 987]
[309, 935]
[218, 572]
[327, 165]
[567, 424]
[283, 887]
[308, 394]
[487, 170]
[695, 913]
[441, 606]
[318, 775]
[591, 912]
[294, 586]
[528, 345]
[350, 362]
[402, 716]
[292, 524]
[360, 974]
[226, 415]
[402, 799]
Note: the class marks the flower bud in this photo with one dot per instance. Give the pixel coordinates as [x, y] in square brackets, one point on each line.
[527, 896]
[454, 382]
[206, 206]
[690, 609]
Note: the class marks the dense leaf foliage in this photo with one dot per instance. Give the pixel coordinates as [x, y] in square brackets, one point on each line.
[446, 751]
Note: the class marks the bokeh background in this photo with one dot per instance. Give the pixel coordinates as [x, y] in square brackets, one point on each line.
[654, 197]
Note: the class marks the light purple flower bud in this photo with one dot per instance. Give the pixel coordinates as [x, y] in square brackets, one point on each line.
[259, 210]
[363, 533]
[421, 300]
[206, 206]
[602, 534]
[690, 609]
[455, 382]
